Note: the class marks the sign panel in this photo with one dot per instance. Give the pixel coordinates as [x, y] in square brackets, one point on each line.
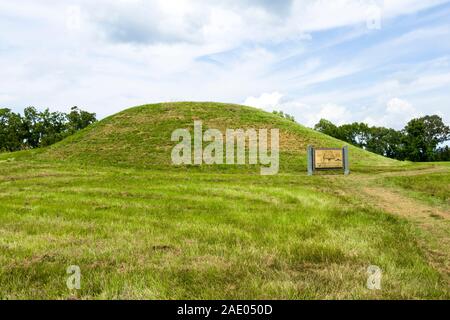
[328, 159]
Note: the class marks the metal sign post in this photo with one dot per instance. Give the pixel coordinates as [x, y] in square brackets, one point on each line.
[346, 161]
[310, 159]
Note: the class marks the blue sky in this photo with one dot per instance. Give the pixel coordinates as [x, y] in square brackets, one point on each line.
[382, 62]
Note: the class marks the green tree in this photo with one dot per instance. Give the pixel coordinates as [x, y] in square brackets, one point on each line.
[39, 129]
[387, 142]
[11, 130]
[328, 128]
[32, 125]
[52, 127]
[355, 133]
[79, 119]
[443, 154]
[418, 141]
[422, 137]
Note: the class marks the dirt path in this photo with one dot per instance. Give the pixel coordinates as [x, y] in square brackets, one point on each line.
[433, 222]
[401, 205]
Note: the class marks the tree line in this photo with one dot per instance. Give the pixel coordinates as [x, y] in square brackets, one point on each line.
[420, 140]
[36, 129]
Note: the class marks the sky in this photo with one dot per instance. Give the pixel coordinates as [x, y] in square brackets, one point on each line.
[383, 62]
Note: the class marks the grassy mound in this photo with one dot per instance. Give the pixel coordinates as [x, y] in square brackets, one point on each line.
[141, 137]
[138, 233]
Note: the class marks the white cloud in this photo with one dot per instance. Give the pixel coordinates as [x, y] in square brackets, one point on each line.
[303, 113]
[395, 115]
[399, 106]
[309, 115]
[335, 113]
[266, 101]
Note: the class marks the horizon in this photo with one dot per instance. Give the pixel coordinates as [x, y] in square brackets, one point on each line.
[41, 109]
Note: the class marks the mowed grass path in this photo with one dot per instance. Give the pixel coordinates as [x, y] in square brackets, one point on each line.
[433, 187]
[142, 234]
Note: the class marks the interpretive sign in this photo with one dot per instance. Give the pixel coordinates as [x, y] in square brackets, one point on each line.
[328, 159]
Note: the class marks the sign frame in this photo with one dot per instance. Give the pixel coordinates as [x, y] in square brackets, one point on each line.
[312, 161]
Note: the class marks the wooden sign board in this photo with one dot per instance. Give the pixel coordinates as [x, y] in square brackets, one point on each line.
[328, 159]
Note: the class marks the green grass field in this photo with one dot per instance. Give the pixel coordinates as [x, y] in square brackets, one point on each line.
[109, 201]
[432, 187]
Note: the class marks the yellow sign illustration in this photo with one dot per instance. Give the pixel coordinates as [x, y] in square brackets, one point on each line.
[328, 159]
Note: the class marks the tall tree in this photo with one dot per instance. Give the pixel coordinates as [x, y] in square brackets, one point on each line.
[52, 128]
[327, 127]
[355, 133]
[387, 142]
[443, 154]
[79, 119]
[32, 124]
[423, 135]
[11, 130]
